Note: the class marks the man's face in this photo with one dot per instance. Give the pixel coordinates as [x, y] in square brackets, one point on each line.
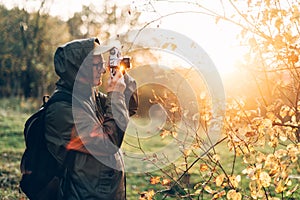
[98, 70]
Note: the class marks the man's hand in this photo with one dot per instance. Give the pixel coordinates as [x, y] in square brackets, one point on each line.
[116, 83]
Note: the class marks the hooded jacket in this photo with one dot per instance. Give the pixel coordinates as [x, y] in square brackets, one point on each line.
[90, 129]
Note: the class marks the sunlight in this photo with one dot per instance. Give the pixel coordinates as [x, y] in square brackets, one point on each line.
[217, 39]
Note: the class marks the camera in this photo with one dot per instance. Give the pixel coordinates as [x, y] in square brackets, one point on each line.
[117, 62]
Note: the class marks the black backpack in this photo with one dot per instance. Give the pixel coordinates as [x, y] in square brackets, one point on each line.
[40, 170]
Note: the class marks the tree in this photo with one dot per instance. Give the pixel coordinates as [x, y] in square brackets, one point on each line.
[10, 52]
[27, 53]
[29, 40]
[263, 138]
[105, 22]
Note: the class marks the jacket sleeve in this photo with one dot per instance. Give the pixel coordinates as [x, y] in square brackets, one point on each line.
[131, 95]
[100, 136]
[116, 117]
[78, 128]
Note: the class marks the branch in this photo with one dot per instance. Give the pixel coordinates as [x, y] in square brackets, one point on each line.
[164, 172]
[288, 125]
[262, 34]
[195, 161]
[276, 70]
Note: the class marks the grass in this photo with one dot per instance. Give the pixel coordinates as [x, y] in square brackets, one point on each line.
[11, 131]
[10, 175]
[13, 114]
[11, 147]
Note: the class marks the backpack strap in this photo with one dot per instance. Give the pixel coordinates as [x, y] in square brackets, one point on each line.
[66, 97]
[45, 99]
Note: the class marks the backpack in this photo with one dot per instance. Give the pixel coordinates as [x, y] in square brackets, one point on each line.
[40, 171]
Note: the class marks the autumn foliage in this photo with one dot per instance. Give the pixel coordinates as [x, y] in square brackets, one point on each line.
[257, 153]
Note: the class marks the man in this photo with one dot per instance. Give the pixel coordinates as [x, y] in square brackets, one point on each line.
[85, 137]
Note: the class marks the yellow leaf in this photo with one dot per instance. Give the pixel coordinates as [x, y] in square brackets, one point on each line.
[280, 153]
[294, 158]
[171, 45]
[250, 133]
[273, 142]
[209, 190]
[250, 158]
[165, 182]
[198, 191]
[232, 194]
[260, 157]
[203, 167]
[283, 137]
[250, 171]
[219, 194]
[220, 179]
[164, 133]
[234, 180]
[147, 195]
[154, 180]
[265, 179]
[256, 190]
[288, 182]
[271, 160]
[187, 152]
[174, 134]
[284, 111]
[143, 196]
[254, 187]
[274, 171]
[280, 187]
[151, 193]
[238, 196]
[174, 109]
[293, 152]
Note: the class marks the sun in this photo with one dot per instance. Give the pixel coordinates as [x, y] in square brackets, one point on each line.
[224, 47]
[227, 59]
[218, 40]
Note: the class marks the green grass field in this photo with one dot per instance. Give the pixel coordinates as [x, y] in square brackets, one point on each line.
[11, 147]
[12, 117]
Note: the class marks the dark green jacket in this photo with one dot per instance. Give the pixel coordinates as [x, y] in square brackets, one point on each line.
[86, 135]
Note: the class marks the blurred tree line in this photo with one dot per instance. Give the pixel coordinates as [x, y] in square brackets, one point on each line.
[29, 39]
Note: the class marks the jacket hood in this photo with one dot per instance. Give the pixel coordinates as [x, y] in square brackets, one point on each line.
[69, 57]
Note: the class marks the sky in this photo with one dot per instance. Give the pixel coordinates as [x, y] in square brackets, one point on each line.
[218, 40]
